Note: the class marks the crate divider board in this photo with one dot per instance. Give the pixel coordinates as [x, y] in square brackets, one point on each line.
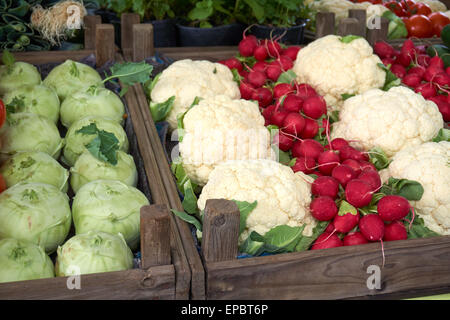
[166, 272]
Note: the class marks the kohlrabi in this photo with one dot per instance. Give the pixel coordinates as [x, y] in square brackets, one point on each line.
[76, 141]
[93, 252]
[35, 212]
[23, 260]
[34, 167]
[14, 75]
[109, 206]
[37, 99]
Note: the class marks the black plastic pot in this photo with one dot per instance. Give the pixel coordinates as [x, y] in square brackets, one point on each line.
[227, 35]
[111, 18]
[293, 35]
[164, 33]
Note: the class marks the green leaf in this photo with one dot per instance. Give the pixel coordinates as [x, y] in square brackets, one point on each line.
[74, 72]
[443, 135]
[90, 129]
[190, 199]
[391, 79]
[8, 59]
[345, 208]
[236, 76]
[244, 208]
[379, 159]
[257, 9]
[418, 228]
[345, 96]
[284, 237]
[130, 73]
[287, 77]
[349, 38]
[153, 83]
[104, 146]
[305, 242]
[334, 116]
[17, 104]
[396, 27]
[253, 245]
[180, 119]
[409, 189]
[283, 156]
[202, 10]
[292, 162]
[161, 110]
[188, 218]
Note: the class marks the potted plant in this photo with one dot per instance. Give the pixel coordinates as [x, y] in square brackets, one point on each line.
[211, 23]
[110, 11]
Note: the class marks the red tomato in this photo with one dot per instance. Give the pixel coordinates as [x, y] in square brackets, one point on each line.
[420, 8]
[419, 26]
[396, 8]
[439, 21]
[2, 184]
[2, 113]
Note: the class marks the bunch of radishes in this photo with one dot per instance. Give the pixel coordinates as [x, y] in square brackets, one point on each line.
[419, 71]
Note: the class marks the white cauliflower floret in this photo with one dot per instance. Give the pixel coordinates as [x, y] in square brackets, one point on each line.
[391, 120]
[220, 129]
[434, 5]
[283, 196]
[187, 79]
[428, 164]
[333, 68]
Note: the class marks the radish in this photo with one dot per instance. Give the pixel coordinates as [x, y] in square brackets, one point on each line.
[388, 61]
[292, 103]
[417, 70]
[246, 90]
[427, 90]
[243, 74]
[314, 107]
[263, 96]
[273, 70]
[283, 141]
[383, 50]
[338, 143]
[305, 91]
[437, 62]
[395, 231]
[343, 174]
[267, 113]
[354, 239]
[327, 161]
[423, 60]
[372, 227]
[412, 80]
[282, 89]
[294, 123]
[285, 63]
[393, 207]
[326, 241]
[310, 130]
[398, 70]
[372, 178]
[346, 222]
[291, 52]
[260, 53]
[431, 72]
[442, 79]
[277, 118]
[358, 193]
[232, 63]
[444, 108]
[323, 208]
[256, 78]
[307, 148]
[260, 66]
[273, 48]
[348, 152]
[325, 186]
[408, 48]
[247, 46]
[305, 165]
[404, 59]
[365, 165]
[447, 70]
[355, 165]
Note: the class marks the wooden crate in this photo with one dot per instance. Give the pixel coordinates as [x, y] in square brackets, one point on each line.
[164, 271]
[413, 267]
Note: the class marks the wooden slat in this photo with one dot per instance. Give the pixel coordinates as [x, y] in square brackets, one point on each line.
[324, 24]
[143, 44]
[104, 43]
[378, 32]
[51, 56]
[416, 265]
[154, 283]
[90, 23]
[359, 15]
[200, 53]
[348, 26]
[127, 20]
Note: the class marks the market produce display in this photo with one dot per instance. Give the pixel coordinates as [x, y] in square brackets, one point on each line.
[35, 209]
[338, 119]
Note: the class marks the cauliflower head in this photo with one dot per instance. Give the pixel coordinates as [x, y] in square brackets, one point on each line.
[391, 120]
[187, 79]
[428, 164]
[333, 68]
[338, 7]
[219, 129]
[283, 196]
[434, 5]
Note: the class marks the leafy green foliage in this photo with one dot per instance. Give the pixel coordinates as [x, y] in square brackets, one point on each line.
[16, 105]
[244, 208]
[160, 111]
[409, 189]
[180, 119]
[130, 73]
[73, 71]
[379, 159]
[391, 79]
[345, 208]
[104, 146]
[8, 60]
[396, 27]
[443, 135]
[345, 96]
[188, 218]
[287, 77]
[306, 241]
[418, 229]
[349, 38]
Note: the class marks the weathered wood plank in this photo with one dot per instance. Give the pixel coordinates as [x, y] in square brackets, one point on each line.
[348, 26]
[127, 20]
[411, 265]
[359, 15]
[104, 43]
[143, 44]
[90, 23]
[378, 31]
[325, 22]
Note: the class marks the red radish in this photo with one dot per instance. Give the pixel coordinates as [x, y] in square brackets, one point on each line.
[285, 63]
[437, 62]
[427, 90]
[283, 141]
[294, 123]
[444, 108]
[292, 103]
[256, 78]
[393, 207]
[327, 240]
[260, 53]
[263, 96]
[273, 70]
[372, 178]
[366, 165]
[447, 70]
[310, 130]
[305, 91]
[372, 227]
[291, 52]
[395, 231]
[412, 80]
[423, 60]
[327, 161]
[319, 174]
[273, 48]
[246, 90]
[247, 46]
[348, 152]
[307, 148]
[325, 186]
[232, 63]
[408, 48]
[277, 118]
[243, 74]
[282, 89]
[267, 113]
[404, 60]
[323, 208]
[355, 165]
[388, 61]
[383, 50]
[260, 66]
[442, 79]
[417, 70]
[346, 222]
[305, 165]
[431, 72]
[343, 174]
[358, 193]
[398, 70]
[438, 99]
[338, 143]
[330, 227]
[354, 239]
[314, 107]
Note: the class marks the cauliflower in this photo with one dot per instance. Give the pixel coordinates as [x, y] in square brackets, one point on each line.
[187, 79]
[391, 120]
[333, 68]
[338, 7]
[220, 129]
[428, 164]
[283, 196]
[434, 5]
